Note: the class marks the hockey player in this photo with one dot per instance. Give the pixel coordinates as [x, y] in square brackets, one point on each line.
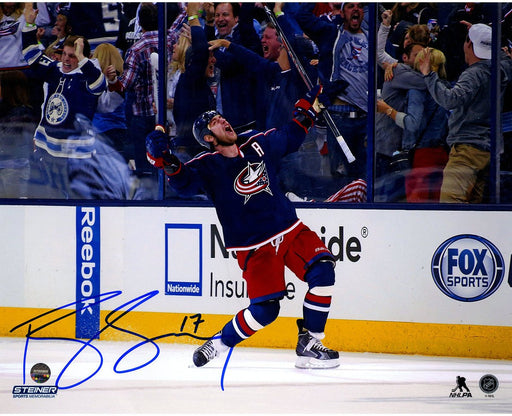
[259, 223]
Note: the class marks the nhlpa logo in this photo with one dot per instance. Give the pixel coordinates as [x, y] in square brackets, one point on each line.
[467, 268]
[461, 384]
[252, 180]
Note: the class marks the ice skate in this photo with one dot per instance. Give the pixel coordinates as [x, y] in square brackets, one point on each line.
[209, 350]
[311, 353]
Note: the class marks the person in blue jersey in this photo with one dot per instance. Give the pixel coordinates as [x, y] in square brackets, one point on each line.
[74, 86]
[239, 174]
[69, 160]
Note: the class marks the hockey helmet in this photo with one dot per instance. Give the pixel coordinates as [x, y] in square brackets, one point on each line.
[200, 128]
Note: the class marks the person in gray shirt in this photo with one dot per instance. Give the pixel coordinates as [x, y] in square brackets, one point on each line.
[466, 173]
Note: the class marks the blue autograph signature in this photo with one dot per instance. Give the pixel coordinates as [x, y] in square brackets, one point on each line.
[110, 321]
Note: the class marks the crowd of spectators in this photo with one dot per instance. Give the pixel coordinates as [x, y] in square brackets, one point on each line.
[78, 95]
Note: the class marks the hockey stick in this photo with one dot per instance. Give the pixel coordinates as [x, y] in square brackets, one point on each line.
[154, 76]
[325, 113]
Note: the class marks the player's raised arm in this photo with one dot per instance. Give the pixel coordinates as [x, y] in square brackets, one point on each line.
[307, 109]
[158, 152]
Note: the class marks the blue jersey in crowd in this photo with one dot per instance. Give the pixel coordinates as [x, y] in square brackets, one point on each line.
[66, 95]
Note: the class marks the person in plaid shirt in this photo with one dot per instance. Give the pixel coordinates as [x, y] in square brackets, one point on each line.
[136, 80]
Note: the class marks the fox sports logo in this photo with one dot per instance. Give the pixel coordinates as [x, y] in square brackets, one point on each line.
[467, 268]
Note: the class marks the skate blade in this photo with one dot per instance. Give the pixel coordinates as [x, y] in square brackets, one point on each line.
[314, 363]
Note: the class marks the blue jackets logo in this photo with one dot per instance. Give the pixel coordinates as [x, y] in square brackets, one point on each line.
[467, 268]
[252, 180]
[57, 109]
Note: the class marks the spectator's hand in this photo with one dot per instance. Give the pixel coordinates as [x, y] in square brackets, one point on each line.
[278, 7]
[40, 33]
[219, 43]
[185, 31]
[330, 90]
[382, 106]
[193, 8]
[110, 73]
[386, 17]
[79, 49]
[424, 64]
[209, 12]
[30, 14]
[388, 71]
[466, 23]
[158, 153]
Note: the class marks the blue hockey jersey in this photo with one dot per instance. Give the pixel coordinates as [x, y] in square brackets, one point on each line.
[250, 205]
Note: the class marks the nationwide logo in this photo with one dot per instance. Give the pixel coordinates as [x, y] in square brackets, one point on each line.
[252, 180]
[467, 268]
[183, 259]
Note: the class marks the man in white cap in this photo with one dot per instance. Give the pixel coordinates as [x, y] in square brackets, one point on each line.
[466, 173]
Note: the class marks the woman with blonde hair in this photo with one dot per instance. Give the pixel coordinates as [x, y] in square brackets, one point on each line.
[110, 118]
[176, 68]
[425, 126]
[437, 61]
[107, 54]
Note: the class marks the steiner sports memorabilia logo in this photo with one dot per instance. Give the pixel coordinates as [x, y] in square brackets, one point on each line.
[40, 373]
[467, 268]
[252, 180]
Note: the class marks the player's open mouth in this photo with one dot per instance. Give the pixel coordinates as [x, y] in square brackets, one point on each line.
[265, 48]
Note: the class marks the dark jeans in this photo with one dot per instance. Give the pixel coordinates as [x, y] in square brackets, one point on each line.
[353, 131]
[140, 127]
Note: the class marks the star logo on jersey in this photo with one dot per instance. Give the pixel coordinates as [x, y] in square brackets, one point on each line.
[252, 180]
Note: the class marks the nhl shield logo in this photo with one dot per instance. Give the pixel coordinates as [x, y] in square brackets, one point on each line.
[252, 180]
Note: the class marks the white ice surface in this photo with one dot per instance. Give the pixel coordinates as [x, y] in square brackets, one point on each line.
[262, 381]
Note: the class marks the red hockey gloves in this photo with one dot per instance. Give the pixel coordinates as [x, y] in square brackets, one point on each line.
[158, 153]
[306, 109]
